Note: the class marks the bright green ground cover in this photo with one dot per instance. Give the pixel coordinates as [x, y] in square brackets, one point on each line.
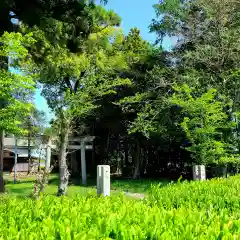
[195, 210]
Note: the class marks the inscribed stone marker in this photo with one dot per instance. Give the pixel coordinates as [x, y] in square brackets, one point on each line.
[103, 180]
[199, 172]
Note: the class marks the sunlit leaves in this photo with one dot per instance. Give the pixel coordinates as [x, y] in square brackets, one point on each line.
[13, 45]
[74, 82]
[15, 88]
[179, 211]
[204, 119]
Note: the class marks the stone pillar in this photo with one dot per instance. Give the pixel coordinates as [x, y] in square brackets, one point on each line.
[48, 157]
[199, 172]
[83, 163]
[103, 180]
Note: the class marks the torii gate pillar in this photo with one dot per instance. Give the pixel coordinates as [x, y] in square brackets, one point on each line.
[83, 157]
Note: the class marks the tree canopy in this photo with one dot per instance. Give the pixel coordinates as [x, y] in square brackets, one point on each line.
[15, 87]
[154, 112]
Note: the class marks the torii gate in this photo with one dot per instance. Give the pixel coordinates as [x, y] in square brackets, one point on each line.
[82, 147]
[10, 143]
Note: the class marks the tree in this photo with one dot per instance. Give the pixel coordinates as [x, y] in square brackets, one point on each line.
[207, 52]
[74, 81]
[204, 121]
[33, 12]
[14, 12]
[149, 71]
[34, 125]
[115, 119]
[15, 88]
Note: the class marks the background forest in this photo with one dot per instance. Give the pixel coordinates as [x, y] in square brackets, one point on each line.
[154, 113]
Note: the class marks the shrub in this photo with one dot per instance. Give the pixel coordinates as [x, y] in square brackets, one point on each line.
[196, 210]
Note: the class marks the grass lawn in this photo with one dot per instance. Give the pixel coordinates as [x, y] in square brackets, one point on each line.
[24, 186]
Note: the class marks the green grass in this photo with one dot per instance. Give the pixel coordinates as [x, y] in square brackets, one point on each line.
[135, 186]
[24, 186]
[25, 189]
[207, 210]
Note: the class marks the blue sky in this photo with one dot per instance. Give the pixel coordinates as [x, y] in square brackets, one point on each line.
[134, 13]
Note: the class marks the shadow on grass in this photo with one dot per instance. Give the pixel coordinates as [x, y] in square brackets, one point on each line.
[91, 183]
[20, 190]
[142, 185]
[117, 184]
[24, 187]
[19, 182]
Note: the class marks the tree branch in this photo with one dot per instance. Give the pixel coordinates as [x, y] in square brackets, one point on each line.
[76, 86]
[69, 85]
[78, 81]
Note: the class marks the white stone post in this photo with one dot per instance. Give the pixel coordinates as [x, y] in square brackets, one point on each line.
[103, 180]
[48, 157]
[199, 172]
[83, 163]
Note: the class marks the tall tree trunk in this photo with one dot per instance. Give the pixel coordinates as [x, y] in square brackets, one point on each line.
[63, 169]
[106, 160]
[137, 162]
[143, 164]
[126, 160]
[1, 161]
[94, 163]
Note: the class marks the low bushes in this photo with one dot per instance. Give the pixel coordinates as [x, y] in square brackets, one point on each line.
[218, 194]
[196, 210]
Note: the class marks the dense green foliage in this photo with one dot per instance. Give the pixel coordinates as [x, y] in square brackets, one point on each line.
[197, 210]
[140, 130]
[15, 88]
[75, 79]
[204, 120]
[154, 113]
[131, 95]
